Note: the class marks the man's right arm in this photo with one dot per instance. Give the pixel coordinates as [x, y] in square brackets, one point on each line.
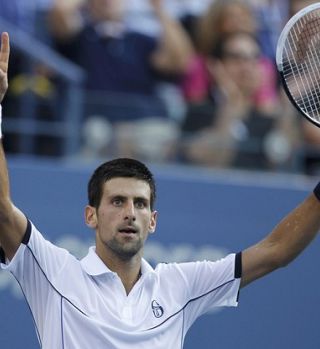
[13, 223]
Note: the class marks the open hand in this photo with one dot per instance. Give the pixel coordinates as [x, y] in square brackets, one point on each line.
[4, 62]
[230, 90]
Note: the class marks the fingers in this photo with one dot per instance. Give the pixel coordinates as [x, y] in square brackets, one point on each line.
[4, 62]
[4, 52]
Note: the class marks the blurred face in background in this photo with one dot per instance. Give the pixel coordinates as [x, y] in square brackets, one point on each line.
[237, 17]
[241, 60]
[106, 10]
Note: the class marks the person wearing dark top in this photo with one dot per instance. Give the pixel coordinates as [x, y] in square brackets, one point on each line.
[231, 126]
[123, 67]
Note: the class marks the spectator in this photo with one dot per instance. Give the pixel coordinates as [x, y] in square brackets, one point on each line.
[221, 18]
[124, 67]
[231, 128]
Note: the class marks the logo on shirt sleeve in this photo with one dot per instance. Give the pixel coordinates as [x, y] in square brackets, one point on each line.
[157, 309]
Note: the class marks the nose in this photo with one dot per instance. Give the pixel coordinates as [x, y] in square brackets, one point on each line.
[129, 213]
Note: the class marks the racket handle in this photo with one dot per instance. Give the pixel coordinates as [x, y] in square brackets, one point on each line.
[316, 191]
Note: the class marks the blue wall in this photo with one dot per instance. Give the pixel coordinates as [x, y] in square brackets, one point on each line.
[201, 214]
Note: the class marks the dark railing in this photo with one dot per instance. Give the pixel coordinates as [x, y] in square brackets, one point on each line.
[25, 122]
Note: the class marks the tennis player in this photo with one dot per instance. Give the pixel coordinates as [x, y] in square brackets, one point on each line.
[113, 298]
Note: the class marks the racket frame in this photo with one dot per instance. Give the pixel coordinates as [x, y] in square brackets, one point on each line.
[279, 52]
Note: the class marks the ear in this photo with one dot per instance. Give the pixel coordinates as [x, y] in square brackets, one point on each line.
[91, 217]
[153, 222]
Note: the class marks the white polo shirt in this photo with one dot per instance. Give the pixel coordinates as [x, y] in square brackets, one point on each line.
[83, 305]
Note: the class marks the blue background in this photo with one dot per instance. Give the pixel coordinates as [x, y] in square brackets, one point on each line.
[198, 209]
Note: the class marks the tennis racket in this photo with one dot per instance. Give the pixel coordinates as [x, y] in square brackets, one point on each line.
[298, 61]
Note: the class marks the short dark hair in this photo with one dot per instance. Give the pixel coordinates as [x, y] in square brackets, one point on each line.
[121, 167]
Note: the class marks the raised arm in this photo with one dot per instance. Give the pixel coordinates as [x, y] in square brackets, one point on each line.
[12, 221]
[175, 49]
[288, 239]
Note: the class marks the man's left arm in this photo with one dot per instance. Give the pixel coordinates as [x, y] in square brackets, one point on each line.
[287, 240]
[175, 49]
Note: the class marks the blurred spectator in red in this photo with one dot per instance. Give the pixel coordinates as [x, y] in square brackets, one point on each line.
[231, 127]
[221, 18]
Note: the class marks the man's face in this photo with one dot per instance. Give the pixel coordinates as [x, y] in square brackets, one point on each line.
[106, 10]
[124, 218]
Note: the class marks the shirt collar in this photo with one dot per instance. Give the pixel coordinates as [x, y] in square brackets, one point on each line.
[94, 266]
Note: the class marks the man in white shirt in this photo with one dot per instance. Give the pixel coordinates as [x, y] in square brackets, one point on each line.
[113, 298]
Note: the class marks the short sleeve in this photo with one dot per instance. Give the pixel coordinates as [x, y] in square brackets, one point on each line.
[209, 285]
[36, 266]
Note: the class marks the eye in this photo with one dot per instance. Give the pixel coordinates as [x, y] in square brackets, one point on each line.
[117, 202]
[140, 204]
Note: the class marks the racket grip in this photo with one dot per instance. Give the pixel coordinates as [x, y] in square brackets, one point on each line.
[316, 191]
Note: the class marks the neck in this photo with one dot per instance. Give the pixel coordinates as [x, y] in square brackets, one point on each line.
[129, 271]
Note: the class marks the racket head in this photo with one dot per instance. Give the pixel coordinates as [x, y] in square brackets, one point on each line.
[298, 61]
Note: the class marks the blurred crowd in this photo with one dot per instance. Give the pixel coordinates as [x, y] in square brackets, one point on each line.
[183, 81]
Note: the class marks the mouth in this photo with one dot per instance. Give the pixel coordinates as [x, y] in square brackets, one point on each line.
[128, 231]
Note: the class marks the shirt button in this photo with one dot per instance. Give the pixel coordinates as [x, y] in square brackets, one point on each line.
[126, 312]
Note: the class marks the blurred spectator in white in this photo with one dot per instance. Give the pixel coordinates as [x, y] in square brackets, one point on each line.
[124, 66]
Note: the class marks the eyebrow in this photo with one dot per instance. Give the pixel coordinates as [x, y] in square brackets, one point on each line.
[123, 197]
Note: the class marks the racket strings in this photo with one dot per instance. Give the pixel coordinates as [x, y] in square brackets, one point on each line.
[301, 63]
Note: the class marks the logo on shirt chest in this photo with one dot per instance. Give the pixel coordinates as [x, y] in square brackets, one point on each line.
[157, 309]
